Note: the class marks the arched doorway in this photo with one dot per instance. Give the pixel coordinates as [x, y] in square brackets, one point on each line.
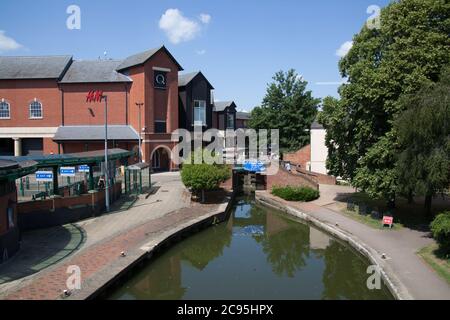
[161, 159]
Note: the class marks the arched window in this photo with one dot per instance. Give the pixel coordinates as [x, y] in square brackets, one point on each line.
[4, 110]
[35, 110]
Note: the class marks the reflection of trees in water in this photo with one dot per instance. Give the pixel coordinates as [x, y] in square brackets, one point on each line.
[345, 276]
[207, 246]
[161, 281]
[287, 248]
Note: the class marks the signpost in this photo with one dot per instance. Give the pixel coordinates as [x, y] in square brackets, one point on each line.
[83, 168]
[388, 221]
[44, 176]
[67, 171]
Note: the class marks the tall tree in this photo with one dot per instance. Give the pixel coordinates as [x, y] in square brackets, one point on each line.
[289, 107]
[423, 164]
[410, 47]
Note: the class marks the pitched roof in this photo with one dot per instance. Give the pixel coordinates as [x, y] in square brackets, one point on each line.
[44, 67]
[316, 125]
[222, 105]
[185, 79]
[242, 115]
[94, 71]
[77, 133]
[142, 57]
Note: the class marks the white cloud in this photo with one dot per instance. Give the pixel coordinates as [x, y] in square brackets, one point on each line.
[201, 52]
[205, 18]
[7, 43]
[344, 49]
[177, 27]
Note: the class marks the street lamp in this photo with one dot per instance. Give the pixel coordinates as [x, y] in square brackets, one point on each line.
[140, 130]
[98, 96]
[106, 155]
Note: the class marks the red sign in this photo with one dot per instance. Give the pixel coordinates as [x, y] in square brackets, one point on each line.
[94, 96]
[388, 221]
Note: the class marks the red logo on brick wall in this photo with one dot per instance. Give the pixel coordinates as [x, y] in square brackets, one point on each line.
[94, 96]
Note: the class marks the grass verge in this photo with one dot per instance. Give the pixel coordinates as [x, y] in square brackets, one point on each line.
[436, 260]
[369, 221]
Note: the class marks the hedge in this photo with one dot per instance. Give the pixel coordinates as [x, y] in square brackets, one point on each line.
[440, 228]
[292, 193]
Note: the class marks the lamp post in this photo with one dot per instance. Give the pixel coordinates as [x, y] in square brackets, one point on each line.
[106, 155]
[140, 104]
[98, 96]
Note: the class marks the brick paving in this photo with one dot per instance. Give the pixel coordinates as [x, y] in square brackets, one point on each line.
[50, 284]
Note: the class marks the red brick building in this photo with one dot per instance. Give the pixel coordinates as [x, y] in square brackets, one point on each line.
[43, 106]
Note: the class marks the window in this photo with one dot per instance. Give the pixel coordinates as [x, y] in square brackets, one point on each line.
[35, 110]
[4, 110]
[230, 121]
[199, 113]
[160, 127]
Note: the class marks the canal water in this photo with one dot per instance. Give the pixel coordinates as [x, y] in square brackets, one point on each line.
[257, 254]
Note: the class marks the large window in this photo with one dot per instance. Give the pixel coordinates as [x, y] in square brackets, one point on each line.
[160, 126]
[35, 110]
[4, 110]
[230, 121]
[199, 113]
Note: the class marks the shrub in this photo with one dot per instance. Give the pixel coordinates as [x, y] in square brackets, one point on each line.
[292, 193]
[440, 228]
[203, 177]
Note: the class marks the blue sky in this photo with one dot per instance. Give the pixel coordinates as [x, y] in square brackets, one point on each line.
[238, 45]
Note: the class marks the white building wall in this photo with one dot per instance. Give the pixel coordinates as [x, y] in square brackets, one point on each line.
[319, 151]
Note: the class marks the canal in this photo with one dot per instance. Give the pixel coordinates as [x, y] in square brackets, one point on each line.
[257, 254]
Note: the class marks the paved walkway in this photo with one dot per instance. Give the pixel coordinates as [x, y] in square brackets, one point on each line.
[105, 238]
[400, 246]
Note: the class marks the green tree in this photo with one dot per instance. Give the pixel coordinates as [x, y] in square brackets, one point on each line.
[289, 107]
[423, 130]
[410, 47]
[200, 176]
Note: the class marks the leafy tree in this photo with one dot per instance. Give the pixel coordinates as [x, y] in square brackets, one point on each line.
[288, 107]
[201, 177]
[411, 46]
[423, 130]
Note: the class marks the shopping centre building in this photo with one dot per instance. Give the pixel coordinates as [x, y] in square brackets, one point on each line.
[45, 106]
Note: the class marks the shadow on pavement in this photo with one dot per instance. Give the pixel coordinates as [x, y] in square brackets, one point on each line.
[41, 249]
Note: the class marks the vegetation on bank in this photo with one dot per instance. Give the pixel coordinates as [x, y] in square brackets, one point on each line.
[203, 177]
[293, 193]
[434, 257]
[388, 134]
[440, 228]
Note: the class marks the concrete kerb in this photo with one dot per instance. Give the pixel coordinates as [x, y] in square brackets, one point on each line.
[398, 290]
[103, 280]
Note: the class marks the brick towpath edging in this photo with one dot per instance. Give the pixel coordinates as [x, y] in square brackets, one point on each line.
[398, 290]
[102, 263]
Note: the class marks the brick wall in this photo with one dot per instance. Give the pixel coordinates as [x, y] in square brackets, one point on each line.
[285, 178]
[20, 93]
[301, 157]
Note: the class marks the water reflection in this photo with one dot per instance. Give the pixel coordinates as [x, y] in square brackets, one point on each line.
[257, 254]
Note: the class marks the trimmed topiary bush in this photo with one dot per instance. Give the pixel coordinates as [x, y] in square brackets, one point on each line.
[440, 228]
[292, 193]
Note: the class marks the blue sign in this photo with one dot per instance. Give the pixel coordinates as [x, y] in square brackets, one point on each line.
[254, 166]
[67, 171]
[83, 168]
[44, 176]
